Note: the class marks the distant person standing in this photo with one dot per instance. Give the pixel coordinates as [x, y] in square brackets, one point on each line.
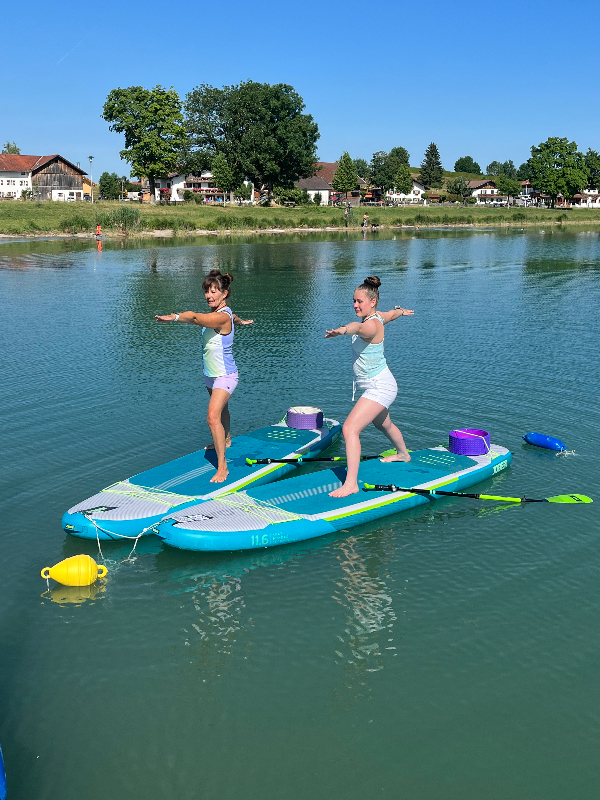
[365, 221]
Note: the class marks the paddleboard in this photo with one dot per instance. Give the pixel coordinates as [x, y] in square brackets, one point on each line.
[132, 507]
[300, 508]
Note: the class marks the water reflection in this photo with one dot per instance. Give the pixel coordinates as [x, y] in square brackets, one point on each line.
[364, 592]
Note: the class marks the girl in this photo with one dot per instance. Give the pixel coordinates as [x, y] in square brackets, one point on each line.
[372, 375]
[220, 371]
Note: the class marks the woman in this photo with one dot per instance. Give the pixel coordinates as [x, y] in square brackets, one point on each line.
[220, 370]
[372, 375]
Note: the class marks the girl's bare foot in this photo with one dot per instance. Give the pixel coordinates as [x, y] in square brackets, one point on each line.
[344, 490]
[220, 475]
[397, 457]
[212, 447]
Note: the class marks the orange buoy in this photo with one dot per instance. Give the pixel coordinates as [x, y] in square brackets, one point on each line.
[75, 571]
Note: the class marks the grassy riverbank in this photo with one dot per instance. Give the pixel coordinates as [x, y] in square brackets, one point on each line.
[31, 219]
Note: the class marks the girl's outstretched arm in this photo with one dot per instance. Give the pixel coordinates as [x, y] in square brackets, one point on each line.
[366, 330]
[238, 321]
[213, 319]
[398, 311]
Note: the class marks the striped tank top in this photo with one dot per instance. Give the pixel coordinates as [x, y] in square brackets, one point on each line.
[217, 353]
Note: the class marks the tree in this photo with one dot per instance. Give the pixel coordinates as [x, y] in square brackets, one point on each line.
[259, 128]
[524, 172]
[152, 122]
[432, 171]
[557, 167]
[508, 186]
[317, 198]
[11, 149]
[592, 162]
[362, 169]
[244, 191]
[403, 182]
[345, 178]
[459, 186]
[223, 174]
[109, 185]
[502, 168]
[384, 166]
[466, 164]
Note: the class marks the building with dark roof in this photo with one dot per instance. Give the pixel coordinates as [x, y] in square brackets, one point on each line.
[47, 177]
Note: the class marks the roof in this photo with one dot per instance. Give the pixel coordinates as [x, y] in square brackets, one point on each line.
[326, 170]
[478, 184]
[314, 184]
[18, 163]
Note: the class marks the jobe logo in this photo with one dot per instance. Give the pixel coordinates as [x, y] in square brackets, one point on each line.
[499, 467]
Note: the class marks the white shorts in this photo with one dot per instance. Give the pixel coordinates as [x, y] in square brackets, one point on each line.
[382, 388]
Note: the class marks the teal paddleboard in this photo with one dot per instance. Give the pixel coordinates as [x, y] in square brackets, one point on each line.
[132, 507]
[300, 508]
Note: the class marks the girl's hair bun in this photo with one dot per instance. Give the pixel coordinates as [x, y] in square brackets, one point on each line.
[373, 281]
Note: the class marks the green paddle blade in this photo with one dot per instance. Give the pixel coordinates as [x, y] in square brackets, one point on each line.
[570, 498]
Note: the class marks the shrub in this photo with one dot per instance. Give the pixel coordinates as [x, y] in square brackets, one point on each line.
[317, 198]
[188, 196]
[519, 216]
[75, 224]
[562, 217]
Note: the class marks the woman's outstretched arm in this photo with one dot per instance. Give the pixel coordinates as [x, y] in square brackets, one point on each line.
[214, 319]
[398, 311]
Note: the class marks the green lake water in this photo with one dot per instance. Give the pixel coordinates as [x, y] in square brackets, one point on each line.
[449, 653]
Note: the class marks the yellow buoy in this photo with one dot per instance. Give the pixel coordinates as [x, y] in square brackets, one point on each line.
[75, 571]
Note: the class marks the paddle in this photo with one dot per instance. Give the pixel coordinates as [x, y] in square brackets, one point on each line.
[252, 461]
[561, 498]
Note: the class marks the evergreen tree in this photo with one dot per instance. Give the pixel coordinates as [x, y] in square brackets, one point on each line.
[345, 178]
[466, 164]
[432, 172]
[403, 182]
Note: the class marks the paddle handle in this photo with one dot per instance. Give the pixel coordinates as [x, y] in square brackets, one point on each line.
[435, 492]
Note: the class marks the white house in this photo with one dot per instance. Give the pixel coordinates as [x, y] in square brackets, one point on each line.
[172, 188]
[485, 193]
[414, 196]
[316, 185]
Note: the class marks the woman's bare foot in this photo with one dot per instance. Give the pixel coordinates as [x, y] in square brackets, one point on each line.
[397, 457]
[344, 490]
[212, 447]
[220, 475]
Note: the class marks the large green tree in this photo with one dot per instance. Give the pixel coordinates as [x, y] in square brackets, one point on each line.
[260, 129]
[345, 178]
[385, 166]
[466, 164]
[524, 172]
[502, 168]
[109, 185]
[362, 169]
[152, 122]
[403, 182]
[557, 167]
[11, 149]
[432, 172]
[592, 162]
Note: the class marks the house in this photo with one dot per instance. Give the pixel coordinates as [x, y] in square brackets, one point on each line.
[484, 191]
[175, 184]
[46, 177]
[314, 185]
[414, 196]
[587, 199]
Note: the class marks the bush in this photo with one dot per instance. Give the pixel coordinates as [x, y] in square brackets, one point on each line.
[76, 224]
[317, 198]
[188, 196]
[562, 217]
[519, 216]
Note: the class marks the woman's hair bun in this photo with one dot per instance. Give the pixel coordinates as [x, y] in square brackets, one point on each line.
[228, 276]
[373, 280]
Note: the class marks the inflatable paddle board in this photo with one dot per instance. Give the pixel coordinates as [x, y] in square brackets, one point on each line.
[300, 508]
[131, 507]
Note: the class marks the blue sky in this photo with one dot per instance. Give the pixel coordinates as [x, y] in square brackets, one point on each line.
[477, 78]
